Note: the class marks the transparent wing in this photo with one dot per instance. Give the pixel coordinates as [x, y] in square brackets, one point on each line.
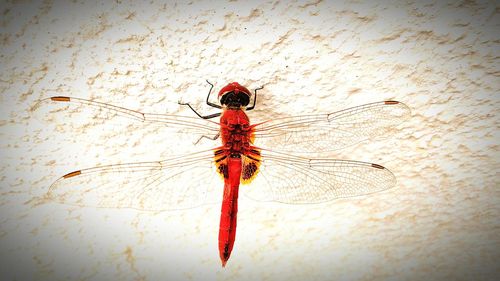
[185, 124]
[298, 180]
[188, 181]
[332, 131]
[178, 183]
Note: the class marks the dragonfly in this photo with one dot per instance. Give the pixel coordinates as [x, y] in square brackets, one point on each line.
[272, 155]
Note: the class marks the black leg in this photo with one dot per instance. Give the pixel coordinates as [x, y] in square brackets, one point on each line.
[209, 103]
[254, 98]
[199, 115]
[207, 137]
[208, 96]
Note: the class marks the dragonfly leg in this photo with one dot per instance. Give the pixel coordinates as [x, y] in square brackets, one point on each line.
[255, 98]
[199, 115]
[209, 103]
[208, 96]
[207, 137]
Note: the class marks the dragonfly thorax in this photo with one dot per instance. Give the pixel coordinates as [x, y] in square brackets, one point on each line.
[235, 130]
[236, 139]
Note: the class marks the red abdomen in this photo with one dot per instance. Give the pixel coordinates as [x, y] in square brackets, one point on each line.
[229, 211]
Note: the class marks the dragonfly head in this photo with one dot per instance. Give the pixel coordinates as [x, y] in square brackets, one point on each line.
[234, 95]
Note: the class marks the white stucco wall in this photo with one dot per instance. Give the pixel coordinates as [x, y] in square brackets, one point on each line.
[439, 223]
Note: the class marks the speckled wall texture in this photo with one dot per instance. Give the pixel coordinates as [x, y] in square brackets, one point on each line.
[439, 222]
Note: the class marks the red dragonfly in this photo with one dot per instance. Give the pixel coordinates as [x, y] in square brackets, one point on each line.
[277, 175]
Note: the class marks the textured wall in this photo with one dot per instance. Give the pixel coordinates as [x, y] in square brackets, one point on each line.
[439, 223]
